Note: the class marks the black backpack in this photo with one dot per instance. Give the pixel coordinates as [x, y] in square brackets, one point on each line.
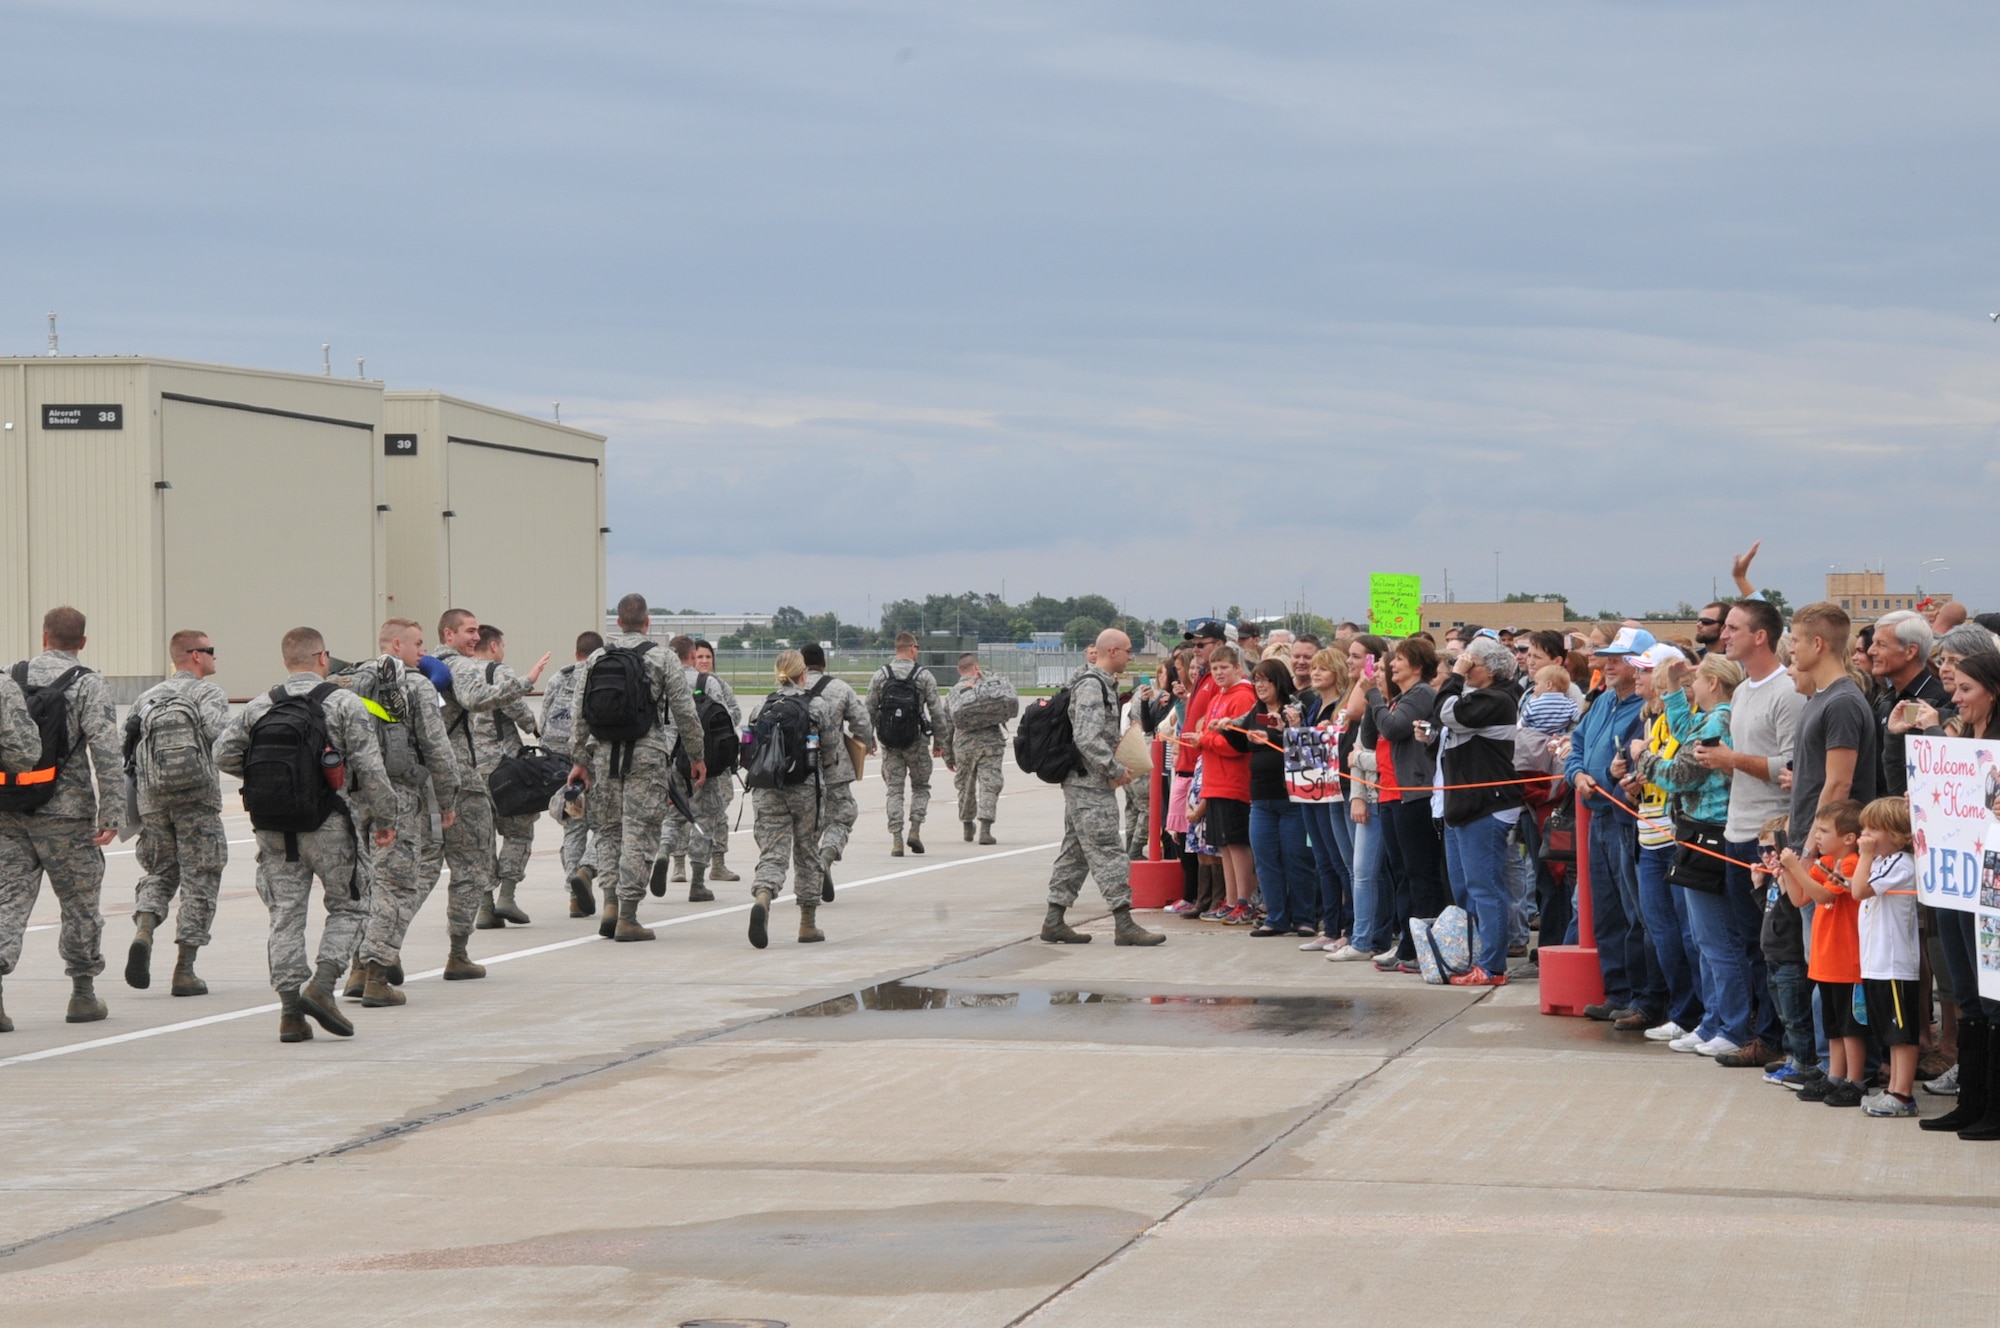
[525, 783]
[285, 788]
[1045, 741]
[721, 745]
[618, 702]
[48, 705]
[779, 755]
[902, 722]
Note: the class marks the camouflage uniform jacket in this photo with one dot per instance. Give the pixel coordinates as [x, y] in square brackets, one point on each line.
[478, 686]
[212, 702]
[424, 712]
[958, 735]
[20, 740]
[672, 697]
[836, 766]
[935, 720]
[351, 730]
[1093, 720]
[558, 716]
[93, 731]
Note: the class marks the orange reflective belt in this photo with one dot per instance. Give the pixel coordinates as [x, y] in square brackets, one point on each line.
[28, 777]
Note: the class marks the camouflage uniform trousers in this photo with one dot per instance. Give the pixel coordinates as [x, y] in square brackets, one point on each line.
[915, 762]
[182, 851]
[517, 841]
[1090, 846]
[788, 824]
[579, 842]
[401, 879]
[708, 835]
[628, 813]
[837, 815]
[981, 770]
[467, 848]
[331, 854]
[60, 846]
[1138, 816]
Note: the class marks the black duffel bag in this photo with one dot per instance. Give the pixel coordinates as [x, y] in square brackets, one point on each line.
[1695, 865]
[523, 784]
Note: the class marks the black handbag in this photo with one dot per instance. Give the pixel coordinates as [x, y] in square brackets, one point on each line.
[523, 784]
[1559, 834]
[1693, 868]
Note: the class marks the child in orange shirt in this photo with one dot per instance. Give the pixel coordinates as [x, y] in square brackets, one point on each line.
[1834, 962]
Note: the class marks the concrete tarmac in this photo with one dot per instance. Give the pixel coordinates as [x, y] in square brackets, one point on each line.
[932, 1119]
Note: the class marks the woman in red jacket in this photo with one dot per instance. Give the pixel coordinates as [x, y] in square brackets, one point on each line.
[1225, 779]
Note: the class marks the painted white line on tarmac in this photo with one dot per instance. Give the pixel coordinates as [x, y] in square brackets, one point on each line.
[137, 1035]
[128, 852]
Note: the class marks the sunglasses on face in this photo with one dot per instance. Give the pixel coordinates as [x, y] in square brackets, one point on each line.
[1709, 622]
[202, 650]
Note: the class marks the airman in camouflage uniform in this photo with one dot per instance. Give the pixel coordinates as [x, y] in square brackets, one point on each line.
[695, 848]
[182, 845]
[517, 833]
[423, 777]
[20, 740]
[65, 837]
[469, 839]
[580, 838]
[914, 761]
[287, 864]
[628, 789]
[975, 746]
[788, 819]
[837, 809]
[1091, 843]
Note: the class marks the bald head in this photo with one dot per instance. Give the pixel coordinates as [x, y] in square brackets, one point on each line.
[1114, 651]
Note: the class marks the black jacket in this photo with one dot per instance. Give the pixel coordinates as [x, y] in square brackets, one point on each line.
[1477, 748]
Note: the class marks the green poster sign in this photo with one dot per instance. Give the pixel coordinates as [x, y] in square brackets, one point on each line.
[1394, 604]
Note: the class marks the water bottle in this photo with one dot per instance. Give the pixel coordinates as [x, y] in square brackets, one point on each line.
[812, 743]
[333, 768]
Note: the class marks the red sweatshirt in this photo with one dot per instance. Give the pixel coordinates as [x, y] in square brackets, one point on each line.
[1226, 771]
[1197, 710]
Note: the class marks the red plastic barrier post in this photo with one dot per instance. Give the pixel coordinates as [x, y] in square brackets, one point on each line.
[1571, 978]
[1155, 881]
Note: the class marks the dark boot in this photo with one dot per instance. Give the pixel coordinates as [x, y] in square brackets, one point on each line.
[915, 842]
[185, 981]
[986, 832]
[808, 933]
[394, 972]
[895, 846]
[505, 907]
[628, 928]
[969, 832]
[607, 918]
[292, 1026]
[139, 959]
[1971, 1106]
[1987, 1127]
[488, 920]
[718, 870]
[317, 1003]
[1131, 933]
[658, 885]
[458, 967]
[698, 893]
[581, 902]
[826, 883]
[378, 992]
[760, 917]
[84, 1006]
[1056, 931]
[356, 981]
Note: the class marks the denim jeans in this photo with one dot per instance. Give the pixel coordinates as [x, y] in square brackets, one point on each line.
[1725, 968]
[1284, 863]
[1631, 977]
[1476, 853]
[1746, 921]
[1333, 912]
[1520, 881]
[1371, 884]
[1666, 928]
[1416, 866]
[1792, 994]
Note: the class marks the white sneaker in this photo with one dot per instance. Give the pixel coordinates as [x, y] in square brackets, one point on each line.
[1316, 943]
[1385, 956]
[1347, 954]
[1715, 1046]
[1666, 1032]
[1685, 1042]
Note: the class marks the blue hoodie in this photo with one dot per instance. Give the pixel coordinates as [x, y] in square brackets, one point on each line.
[1607, 729]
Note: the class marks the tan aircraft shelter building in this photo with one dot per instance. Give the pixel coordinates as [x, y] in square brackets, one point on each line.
[156, 494]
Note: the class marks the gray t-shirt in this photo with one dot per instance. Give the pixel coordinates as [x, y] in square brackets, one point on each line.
[1837, 717]
[1762, 717]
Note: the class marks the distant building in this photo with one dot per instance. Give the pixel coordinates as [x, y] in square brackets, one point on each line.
[1866, 596]
[1532, 616]
[704, 626]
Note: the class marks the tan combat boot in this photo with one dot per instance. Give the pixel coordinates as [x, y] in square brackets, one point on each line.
[895, 846]
[84, 1006]
[969, 831]
[628, 928]
[317, 1003]
[915, 842]
[808, 933]
[505, 907]
[459, 968]
[378, 992]
[1058, 932]
[760, 917]
[581, 902]
[718, 870]
[139, 959]
[1131, 933]
[292, 1026]
[680, 869]
[986, 832]
[487, 919]
[698, 892]
[607, 919]
[185, 981]
[356, 981]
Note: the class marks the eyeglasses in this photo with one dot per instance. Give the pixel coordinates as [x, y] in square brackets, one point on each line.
[1520, 650]
[202, 650]
[1709, 622]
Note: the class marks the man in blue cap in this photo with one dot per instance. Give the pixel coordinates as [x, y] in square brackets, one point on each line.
[1635, 991]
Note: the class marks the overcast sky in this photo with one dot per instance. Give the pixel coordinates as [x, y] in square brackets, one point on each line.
[1186, 304]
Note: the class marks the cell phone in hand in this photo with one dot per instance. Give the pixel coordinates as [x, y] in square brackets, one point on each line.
[1779, 841]
[1708, 742]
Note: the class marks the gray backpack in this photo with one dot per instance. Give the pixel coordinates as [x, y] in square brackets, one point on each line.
[379, 684]
[174, 756]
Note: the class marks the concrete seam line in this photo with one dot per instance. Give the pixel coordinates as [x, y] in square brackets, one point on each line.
[1203, 1190]
[140, 1034]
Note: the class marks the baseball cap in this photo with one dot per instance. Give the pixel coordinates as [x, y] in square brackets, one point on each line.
[1629, 641]
[1656, 655]
[1208, 631]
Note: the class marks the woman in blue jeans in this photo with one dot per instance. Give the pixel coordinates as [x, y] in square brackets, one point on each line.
[1321, 798]
[1285, 870]
[1477, 711]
